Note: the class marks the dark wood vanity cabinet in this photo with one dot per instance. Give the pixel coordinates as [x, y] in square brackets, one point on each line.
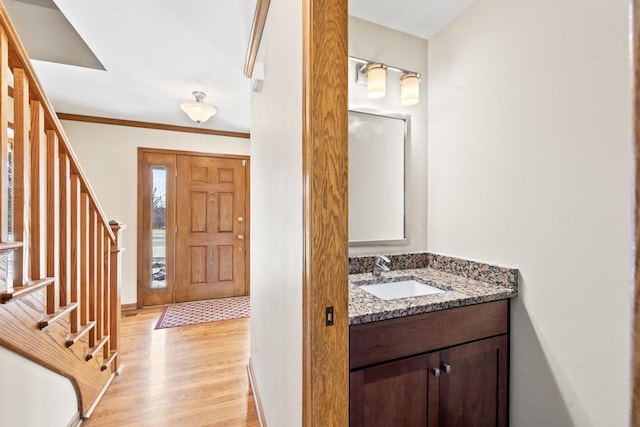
[462, 381]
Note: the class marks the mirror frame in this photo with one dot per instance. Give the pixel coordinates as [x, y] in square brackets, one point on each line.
[407, 184]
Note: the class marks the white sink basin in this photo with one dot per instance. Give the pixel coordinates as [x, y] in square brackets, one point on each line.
[404, 289]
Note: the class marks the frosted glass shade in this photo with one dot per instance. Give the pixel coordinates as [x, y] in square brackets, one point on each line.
[376, 80]
[198, 111]
[410, 89]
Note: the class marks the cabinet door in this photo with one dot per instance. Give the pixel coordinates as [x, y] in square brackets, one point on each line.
[474, 393]
[402, 393]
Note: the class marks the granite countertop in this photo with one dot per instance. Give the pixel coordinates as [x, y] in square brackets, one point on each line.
[459, 291]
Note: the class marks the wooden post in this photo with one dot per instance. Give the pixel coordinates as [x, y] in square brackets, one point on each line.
[114, 285]
[84, 260]
[21, 174]
[38, 241]
[65, 229]
[91, 282]
[106, 289]
[76, 251]
[53, 220]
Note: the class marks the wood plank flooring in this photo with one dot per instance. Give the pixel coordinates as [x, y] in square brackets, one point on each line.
[186, 376]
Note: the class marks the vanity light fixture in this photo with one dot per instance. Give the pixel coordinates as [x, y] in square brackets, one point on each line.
[374, 75]
[410, 88]
[197, 110]
[376, 80]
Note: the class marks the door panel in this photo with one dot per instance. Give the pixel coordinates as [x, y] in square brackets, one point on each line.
[210, 242]
[402, 393]
[475, 392]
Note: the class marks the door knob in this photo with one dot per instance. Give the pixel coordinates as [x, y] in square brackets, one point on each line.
[240, 237]
[446, 368]
[240, 219]
[435, 372]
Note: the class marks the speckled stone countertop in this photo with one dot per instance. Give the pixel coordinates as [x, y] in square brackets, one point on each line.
[465, 283]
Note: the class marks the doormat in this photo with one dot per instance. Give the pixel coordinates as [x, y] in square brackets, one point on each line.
[193, 313]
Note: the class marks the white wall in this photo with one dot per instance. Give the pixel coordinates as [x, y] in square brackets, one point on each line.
[108, 155]
[276, 222]
[530, 166]
[33, 396]
[376, 43]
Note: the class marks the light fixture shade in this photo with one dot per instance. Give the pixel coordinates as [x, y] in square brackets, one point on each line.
[197, 110]
[376, 80]
[410, 88]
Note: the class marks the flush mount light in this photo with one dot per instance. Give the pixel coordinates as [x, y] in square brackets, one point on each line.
[197, 110]
[410, 88]
[376, 80]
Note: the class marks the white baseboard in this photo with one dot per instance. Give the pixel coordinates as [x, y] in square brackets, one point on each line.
[75, 421]
[256, 395]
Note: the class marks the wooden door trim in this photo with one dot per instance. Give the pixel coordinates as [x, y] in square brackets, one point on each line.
[325, 389]
[635, 37]
[150, 125]
[176, 153]
[195, 153]
[259, 19]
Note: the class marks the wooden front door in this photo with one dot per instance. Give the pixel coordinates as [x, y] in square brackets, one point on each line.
[211, 238]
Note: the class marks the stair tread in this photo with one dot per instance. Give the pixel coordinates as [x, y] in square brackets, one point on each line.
[10, 246]
[109, 361]
[74, 338]
[92, 351]
[54, 317]
[27, 288]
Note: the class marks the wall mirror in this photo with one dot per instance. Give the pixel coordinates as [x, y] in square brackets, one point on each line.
[378, 147]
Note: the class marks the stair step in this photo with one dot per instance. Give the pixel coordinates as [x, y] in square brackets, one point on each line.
[92, 351]
[74, 338]
[53, 318]
[109, 361]
[26, 289]
[10, 246]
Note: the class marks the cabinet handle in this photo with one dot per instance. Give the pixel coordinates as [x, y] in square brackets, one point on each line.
[435, 372]
[446, 368]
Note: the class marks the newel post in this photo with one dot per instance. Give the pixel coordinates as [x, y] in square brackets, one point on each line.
[115, 281]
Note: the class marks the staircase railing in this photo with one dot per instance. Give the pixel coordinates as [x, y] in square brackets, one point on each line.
[59, 255]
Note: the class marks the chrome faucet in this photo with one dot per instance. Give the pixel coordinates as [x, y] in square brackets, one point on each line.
[379, 265]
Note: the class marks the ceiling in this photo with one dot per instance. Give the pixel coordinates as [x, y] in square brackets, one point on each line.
[422, 18]
[137, 60]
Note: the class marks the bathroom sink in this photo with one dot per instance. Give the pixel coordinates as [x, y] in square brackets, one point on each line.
[404, 289]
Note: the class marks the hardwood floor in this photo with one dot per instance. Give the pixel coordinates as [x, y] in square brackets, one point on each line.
[186, 376]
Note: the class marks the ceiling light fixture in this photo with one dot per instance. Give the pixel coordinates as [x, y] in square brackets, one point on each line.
[410, 88]
[197, 110]
[374, 75]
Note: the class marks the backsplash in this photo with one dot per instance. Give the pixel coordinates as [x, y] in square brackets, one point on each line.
[488, 273]
[364, 264]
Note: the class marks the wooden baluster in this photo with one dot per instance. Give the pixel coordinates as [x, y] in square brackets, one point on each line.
[53, 221]
[114, 287]
[65, 229]
[21, 174]
[76, 250]
[4, 139]
[84, 264]
[38, 242]
[99, 272]
[93, 239]
[106, 281]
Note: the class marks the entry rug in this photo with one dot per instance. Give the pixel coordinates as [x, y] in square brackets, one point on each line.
[193, 313]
